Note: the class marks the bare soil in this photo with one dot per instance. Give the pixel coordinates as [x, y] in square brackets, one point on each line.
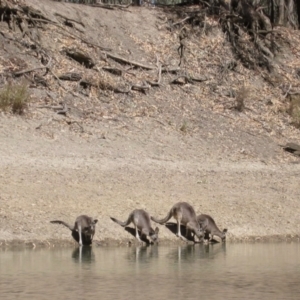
[143, 150]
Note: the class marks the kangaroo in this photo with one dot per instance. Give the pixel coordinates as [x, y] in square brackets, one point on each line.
[209, 226]
[84, 226]
[185, 214]
[141, 221]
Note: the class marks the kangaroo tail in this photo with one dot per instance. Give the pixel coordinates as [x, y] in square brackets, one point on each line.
[123, 224]
[62, 223]
[164, 220]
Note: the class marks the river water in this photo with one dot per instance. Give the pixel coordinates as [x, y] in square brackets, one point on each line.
[219, 271]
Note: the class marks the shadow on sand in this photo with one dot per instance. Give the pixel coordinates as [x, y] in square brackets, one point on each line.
[173, 228]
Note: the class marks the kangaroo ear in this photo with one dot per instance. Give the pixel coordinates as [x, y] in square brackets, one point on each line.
[225, 230]
[156, 230]
[95, 221]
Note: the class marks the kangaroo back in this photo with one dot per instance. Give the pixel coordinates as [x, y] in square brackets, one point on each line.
[185, 212]
[207, 223]
[141, 219]
[86, 223]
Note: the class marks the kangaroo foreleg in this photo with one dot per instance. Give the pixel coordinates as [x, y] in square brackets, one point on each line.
[137, 234]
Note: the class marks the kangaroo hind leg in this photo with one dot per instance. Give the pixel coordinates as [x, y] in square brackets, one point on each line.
[80, 234]
[179, 217]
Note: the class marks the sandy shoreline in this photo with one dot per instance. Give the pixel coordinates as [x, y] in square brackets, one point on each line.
[52, 243]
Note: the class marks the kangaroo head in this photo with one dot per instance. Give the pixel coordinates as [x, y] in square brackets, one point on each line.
[154, 234]
[91, 225]
[223, 237]
[195, 227]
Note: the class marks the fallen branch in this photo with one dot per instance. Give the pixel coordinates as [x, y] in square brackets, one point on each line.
[183, 79]
[182, 21]
[70, 76]
[170, 70]
[115, 71]
[110, 6]
[68, 19]
[61, 109]
[141, 88]
[33, 69]
[129, 62]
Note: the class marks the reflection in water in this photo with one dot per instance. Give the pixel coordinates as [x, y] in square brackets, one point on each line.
[191, 253]
[218, 271]
[142, 254]
[83, 254]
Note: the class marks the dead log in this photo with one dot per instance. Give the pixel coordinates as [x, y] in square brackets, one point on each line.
[81, 57]
[70, 76]
[184, 79]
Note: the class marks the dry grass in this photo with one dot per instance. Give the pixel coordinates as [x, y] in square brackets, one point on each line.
[242, 95]
[14, 98]
[294, 109]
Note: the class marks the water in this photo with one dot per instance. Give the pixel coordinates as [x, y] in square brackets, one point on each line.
[231, 271]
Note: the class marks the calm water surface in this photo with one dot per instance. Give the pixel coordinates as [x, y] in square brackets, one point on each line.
[231, 271]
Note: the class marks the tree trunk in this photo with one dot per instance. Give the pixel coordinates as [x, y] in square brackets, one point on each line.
[297, 4]
[281, 12]
[272, 11]
[291, 14]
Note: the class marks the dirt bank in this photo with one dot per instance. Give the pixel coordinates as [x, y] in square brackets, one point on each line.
[61, 177]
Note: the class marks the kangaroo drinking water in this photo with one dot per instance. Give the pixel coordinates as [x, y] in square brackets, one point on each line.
[209, 226]
[83, 230]
[185, 214]
[141, 221]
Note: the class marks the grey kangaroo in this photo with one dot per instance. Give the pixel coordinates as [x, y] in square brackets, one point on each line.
[141, 221]
[209, 226]
[185, 214]
[83, 230]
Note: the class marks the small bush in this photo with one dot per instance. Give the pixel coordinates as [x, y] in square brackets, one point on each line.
[184, 127]
[14, 97]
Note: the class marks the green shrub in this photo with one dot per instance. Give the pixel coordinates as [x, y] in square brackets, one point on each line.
[14, 97]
